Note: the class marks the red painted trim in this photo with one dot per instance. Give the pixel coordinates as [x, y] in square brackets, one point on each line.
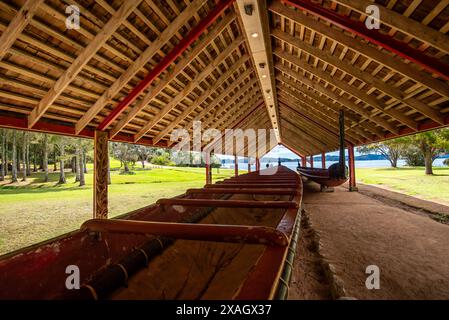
[68, 130]
[166, 62]
[374, 36]
[303, 162]
[352, 182]
[236, 166]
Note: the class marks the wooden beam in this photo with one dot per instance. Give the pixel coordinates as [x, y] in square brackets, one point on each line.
[217, 100]
[138, 64]
[352, 181]
[319, 97]
[334, 96]
[101, 163]
[190, 87]
[171, 75]
[385, 41]
[364, 76]
[363, 48]
[257, 32]
[16, 26]
[81, 61]
[166, 62]
[402, 23]
[344, 86]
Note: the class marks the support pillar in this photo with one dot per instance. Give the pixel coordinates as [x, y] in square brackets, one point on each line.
[257, 164]
[352, 182]
[236, 166]
[303, 162]
[208, 169]
[249, 164]
[101, 160]
[311, 162]
[323, 160]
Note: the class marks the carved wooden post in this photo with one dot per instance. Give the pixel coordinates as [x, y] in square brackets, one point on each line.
[323, 160]
[101, 156]
[352, 182]
[236, 166]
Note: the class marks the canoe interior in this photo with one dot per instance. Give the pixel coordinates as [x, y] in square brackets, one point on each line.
[322, 177]
[185, 269]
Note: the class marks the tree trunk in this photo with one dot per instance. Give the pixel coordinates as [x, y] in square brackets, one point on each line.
[143, 164]
[14, 157]
[61, 166]
[34, 160]
[3, 163]
[85, 162]
[27, 156]
[126, 166]
[73, 164]
[45, 156]
[54, 158]
[428, 160]
[24, 157]
[77, 164]
[82, 165]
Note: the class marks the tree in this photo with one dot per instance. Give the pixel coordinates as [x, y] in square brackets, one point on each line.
[124, 152]
[24, 155]
[60, 143]
[391, 149]
[14, 157]
[3, 163]
[45, 156]
[145, 154]
[431, 144]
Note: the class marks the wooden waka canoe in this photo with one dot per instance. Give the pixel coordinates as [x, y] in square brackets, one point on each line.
[322, 177]
[235, 239]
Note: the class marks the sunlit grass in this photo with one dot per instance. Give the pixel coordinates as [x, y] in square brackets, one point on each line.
[411, 181]
[34, 211]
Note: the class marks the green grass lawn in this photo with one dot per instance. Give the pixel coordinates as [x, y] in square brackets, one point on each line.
[411, 181]
[35, 211]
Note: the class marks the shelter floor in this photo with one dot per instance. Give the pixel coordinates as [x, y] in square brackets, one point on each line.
[355, 231]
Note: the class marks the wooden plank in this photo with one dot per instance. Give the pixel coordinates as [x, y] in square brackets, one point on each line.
[366, 77]
[101, 163]
[18, 23]
[138, 64]
[344, 86]
[363, 48]
[332, 95]
[191, 231]
[81, 61]
[226, 203]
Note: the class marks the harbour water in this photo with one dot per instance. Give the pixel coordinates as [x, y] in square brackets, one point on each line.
[317, 164]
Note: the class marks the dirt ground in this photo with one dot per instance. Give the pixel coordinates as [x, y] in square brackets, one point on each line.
[356, 230]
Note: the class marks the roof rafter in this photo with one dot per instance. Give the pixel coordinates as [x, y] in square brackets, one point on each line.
[82, 59]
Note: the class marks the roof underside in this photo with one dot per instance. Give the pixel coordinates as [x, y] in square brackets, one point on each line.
[70, 81]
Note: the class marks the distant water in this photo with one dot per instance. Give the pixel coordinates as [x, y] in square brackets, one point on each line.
[358, 164]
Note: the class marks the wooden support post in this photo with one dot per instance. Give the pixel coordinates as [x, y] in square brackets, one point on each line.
[236, 166]
[257, 164]
[323, 160]
[208, 169]
[303, 162]
[352, 182]
[249, 164]
[311, 162]
[101, 156]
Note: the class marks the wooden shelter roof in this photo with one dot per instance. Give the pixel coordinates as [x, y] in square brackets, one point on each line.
[198, 63]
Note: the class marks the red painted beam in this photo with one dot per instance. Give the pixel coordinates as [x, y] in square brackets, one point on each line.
[268, 191]
[374, 36]
[323, 160]
[166, 62]
[236, 166]
[190, 231]
[352, 181]
[227, 203]
[67, 130]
